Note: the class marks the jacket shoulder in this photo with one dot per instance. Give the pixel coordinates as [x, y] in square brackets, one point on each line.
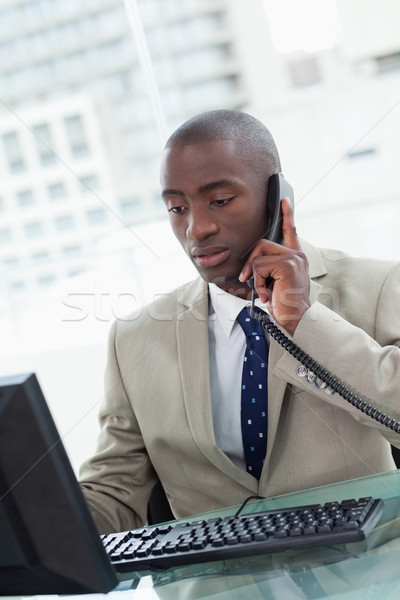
[336, 263]
[164, 309]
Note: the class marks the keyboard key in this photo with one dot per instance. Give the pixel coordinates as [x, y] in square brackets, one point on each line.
[184, 546]
[245, 539]
[295, 531]
[325, 527]
[199, 544]
[309, 530]
[138, 533]
[351, 525]
[164, 529]
[143, 552]
[150, 534]
[198, 523]
[282, 533]
[214, 521]
[232, 541]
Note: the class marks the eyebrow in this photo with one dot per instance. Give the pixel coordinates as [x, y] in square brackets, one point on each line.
[171, 192]
[207, 187]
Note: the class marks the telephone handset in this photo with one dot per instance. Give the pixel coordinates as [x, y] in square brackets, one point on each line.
[279, 188]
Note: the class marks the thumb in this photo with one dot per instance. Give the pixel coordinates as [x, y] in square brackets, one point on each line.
[290, 238]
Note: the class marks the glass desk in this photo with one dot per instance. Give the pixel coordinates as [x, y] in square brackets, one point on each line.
[358, 571]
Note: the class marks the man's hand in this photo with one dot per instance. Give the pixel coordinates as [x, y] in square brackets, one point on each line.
[287, 298]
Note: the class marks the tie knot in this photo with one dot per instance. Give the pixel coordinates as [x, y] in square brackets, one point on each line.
[251, 327]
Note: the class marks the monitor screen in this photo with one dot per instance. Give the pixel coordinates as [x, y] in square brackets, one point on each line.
[49, 543]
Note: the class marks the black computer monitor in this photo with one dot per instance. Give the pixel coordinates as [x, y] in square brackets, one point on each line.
[49, 543]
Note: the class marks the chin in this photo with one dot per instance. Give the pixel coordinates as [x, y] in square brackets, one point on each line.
[230, 284]
[219, 278]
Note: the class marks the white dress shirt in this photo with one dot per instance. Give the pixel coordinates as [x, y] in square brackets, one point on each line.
[227, 348]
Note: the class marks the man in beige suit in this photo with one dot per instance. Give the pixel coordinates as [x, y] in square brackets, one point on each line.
[172, 405]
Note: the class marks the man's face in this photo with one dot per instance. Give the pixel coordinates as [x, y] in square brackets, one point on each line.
[217, 208]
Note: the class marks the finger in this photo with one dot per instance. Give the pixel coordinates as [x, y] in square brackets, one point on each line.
[246, 272]
[263, 248]
[290, 238]
[247, 269]
[260, 284]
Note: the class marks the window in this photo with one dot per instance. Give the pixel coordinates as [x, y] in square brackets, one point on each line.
[96, 216]
[76, 272]
[89, 183]
[5, 235]
[76, 135]
[25, 198]
[46, 280]
[71, 250]
[363, 166]
[44, 143]
[65, 222]
[18, 286]
[40, 256]
[57, 190]
[34, 229]
[130, 206]
[362, 153]
[10, 261]
[13, 152]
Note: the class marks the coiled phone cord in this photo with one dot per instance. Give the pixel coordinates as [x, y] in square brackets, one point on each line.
[323, 374]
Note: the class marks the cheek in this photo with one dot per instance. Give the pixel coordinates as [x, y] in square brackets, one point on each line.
[259, 222]
[252, 225]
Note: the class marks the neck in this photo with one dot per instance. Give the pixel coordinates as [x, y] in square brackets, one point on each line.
[239, 289]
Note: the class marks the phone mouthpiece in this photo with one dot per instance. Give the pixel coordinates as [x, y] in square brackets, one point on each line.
[250, 282]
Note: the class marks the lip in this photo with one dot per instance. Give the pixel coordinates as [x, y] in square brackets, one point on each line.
[209, 257]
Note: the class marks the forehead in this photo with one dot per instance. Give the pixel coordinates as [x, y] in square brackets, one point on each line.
[200, 163]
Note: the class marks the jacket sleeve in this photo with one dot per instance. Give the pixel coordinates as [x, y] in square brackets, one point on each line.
[117, 481]
[368, 366]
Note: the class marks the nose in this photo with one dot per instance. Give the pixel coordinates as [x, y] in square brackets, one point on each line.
[201, 224]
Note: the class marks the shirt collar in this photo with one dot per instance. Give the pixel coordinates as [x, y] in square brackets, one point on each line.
[226, 307]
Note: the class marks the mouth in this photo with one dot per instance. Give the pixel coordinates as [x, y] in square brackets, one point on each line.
[206, 258]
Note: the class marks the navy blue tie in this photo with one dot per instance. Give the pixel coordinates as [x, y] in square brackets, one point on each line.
[254, 394]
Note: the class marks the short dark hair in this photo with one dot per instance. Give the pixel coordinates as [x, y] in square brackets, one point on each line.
[252, 139]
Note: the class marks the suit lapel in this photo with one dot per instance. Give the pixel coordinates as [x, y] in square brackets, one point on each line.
[193, 355]
[192, 338]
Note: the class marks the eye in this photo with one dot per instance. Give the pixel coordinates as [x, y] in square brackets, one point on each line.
[177, 210]
[222, 201]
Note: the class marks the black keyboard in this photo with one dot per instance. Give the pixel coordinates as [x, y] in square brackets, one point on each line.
[174, 544]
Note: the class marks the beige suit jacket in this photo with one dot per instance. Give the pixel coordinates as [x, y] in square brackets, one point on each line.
[156, 419]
